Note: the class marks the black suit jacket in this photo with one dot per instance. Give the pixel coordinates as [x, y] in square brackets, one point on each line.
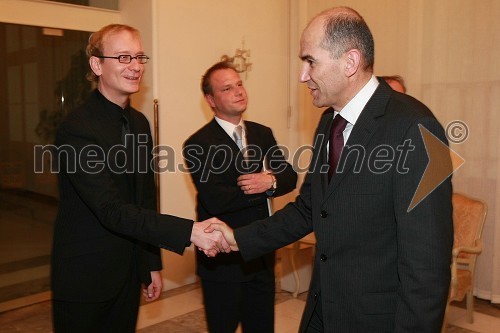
[378, 267]
[215, 162]
[106, 228]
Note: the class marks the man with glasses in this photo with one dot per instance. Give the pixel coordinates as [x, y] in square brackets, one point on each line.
[107, 234]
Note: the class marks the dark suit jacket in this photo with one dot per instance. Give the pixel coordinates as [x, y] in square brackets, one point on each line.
[378, 267]
[106, 217]
[215, 162]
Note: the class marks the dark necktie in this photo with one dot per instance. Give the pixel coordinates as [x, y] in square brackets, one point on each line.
[125, 128]
[336, 143]
[129, 148]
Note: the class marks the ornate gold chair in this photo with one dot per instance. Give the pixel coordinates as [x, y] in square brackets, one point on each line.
[468, 221]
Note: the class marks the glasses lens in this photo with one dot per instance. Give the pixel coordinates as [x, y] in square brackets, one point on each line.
[125, 59]
[142, 59]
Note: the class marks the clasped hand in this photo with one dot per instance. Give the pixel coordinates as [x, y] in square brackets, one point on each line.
[213, 236]
[255, 183]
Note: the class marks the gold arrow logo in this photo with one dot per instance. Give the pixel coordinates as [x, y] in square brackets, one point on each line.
[443, 161]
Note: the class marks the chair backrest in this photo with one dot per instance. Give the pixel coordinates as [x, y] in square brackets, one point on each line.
[468, 220]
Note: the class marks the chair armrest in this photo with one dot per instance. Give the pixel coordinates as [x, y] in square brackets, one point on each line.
[477, 249]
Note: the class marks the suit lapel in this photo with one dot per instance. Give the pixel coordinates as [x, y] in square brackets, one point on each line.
[108, 129]
[325, 131]
[137, 177]
[254, 140]
[220, 137]
[362, 132]
[105, 124]
[318, 167]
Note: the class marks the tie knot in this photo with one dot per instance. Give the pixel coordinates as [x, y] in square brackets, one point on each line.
[338, 125]
[125, 127]
[238, 136]
[238, 132]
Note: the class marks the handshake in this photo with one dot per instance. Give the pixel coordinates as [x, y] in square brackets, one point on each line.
[213, 236]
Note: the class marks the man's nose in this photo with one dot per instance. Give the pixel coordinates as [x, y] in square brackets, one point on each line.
[304, 74]
[135, 65]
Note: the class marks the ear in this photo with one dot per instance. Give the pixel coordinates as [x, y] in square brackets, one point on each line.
[210, 100]
[353, 62]
[95, 65]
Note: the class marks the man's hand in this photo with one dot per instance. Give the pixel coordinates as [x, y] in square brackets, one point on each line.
[153, 291]
[210, 243]
[226, 231]
[254, 183]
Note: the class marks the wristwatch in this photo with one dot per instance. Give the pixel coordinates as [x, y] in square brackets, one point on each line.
[272, 189]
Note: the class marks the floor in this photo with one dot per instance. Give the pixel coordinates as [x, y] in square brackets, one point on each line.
[24, 271]
[26, 223]
[181, 311]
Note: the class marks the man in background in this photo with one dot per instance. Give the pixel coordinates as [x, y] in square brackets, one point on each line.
[396, 82]
[236, 166]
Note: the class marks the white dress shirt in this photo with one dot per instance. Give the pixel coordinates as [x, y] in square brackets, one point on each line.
[229, 129]
[353, 109]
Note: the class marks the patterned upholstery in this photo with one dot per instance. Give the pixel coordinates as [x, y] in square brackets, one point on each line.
[469, 216]
[468, 221]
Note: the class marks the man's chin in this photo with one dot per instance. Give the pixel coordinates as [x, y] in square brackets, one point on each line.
[318, 104]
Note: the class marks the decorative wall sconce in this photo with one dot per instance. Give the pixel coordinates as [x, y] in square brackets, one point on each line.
[240, 59]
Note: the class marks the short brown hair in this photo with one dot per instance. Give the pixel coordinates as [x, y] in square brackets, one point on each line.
[96, 40]
[206, 87]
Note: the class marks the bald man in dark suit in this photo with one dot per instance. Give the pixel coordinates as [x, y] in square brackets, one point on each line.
[382, 262]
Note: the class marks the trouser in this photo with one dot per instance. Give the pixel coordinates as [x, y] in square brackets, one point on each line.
[116, 315]
[315, 324]
[249, 302]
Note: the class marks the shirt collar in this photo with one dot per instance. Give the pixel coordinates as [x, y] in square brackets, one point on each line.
[353, 109]
[114, 110]
[229, 127]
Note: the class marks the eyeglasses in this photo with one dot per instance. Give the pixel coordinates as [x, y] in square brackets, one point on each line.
[127, 59]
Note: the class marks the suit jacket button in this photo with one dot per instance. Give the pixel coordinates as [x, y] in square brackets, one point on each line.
[324, 214]
[315, 296]
[323, 257]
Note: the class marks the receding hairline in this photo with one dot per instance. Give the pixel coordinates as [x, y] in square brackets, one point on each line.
[322, 18]
[327, 14]
[339, 29]
[134, 32]
[206, 79]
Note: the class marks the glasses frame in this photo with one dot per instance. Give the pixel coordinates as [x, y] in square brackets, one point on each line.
[141, 58]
